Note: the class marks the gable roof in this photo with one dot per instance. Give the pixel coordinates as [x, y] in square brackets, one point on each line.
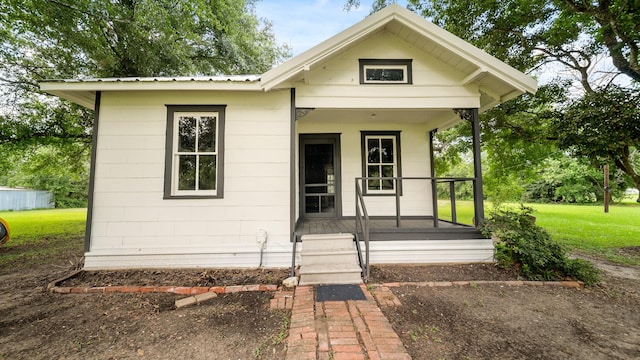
[496, 79]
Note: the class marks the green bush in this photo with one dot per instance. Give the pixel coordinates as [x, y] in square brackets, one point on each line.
[528, 248]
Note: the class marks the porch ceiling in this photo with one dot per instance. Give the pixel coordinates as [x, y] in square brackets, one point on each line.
[433, 117]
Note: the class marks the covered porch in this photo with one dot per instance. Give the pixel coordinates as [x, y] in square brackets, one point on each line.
[355, 176]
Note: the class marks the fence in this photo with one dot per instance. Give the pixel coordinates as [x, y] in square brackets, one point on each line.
[24, 199]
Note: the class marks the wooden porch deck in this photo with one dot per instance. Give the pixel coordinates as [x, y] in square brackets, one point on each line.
[385, 229]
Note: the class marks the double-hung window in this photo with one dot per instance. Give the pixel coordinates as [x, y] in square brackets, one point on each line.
[381, 161]
[195, 145]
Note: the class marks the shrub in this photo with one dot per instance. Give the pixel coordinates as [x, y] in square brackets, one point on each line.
[528, 248]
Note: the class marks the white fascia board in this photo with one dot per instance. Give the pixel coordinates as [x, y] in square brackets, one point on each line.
[98, 85]
[83, 92]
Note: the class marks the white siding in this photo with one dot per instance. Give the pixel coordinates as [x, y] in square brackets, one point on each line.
[131, 218]
[336, 82]
[414, 139]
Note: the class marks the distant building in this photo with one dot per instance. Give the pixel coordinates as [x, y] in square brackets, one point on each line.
[24, 199]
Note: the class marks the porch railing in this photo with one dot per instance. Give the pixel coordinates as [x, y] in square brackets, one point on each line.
[362, 227]
[362, 216]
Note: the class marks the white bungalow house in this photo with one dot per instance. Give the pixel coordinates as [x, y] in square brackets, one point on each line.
[232, 171]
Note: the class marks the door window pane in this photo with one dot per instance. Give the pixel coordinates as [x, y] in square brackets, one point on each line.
[312, 204]
[328, 204]
[318, 163]
[317, 189]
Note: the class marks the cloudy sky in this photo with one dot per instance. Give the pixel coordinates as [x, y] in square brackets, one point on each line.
[305, 23]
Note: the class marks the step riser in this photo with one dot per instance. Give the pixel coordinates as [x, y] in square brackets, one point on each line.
[311, 259]
[325, 245]
[334, 278]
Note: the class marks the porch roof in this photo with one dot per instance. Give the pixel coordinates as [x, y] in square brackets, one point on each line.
[497, 81]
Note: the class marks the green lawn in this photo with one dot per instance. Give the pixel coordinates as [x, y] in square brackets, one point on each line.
[585, 228]
[36, 234]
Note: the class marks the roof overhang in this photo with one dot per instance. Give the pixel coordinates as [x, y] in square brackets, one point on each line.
[83, 92]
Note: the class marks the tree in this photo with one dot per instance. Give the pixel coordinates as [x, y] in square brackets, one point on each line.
[53, 39]
[529, 33]
[567, 179]
[511, 158]
[604, 125]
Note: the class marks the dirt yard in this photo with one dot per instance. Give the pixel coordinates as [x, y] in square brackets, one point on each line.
[517, 322]
[469, 322]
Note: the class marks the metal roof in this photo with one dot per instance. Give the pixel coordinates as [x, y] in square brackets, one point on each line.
[218, 78]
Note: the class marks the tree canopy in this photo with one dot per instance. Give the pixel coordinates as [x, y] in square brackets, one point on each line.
[559, 41]
[54, 39]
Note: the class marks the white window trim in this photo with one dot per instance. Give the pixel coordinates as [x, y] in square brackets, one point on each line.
[171, 166]
[405, 74]
[395, 163]
[176, 154]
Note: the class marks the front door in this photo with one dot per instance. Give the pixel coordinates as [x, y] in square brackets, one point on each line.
[320, 175]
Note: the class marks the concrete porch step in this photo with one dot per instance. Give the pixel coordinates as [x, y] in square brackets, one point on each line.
[329, 259]
[319, 274]
[323, 242]
[340, 256]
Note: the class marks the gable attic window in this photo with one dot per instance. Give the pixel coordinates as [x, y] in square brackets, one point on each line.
[194, 151]
[385, 71]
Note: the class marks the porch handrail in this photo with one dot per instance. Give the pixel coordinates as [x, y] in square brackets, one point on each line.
[397, 192]
[362, 222]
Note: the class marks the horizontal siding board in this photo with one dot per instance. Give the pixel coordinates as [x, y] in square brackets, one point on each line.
[212, 254]
[131, 216]
[131, 142]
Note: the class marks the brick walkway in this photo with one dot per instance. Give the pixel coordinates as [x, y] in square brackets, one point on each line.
[340, 330]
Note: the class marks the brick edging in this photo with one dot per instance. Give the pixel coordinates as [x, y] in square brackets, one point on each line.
[566, 284]
[183, 290]
[53, 287]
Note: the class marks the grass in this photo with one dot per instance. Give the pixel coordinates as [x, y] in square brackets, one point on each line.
[37, 234]
[585, 228]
